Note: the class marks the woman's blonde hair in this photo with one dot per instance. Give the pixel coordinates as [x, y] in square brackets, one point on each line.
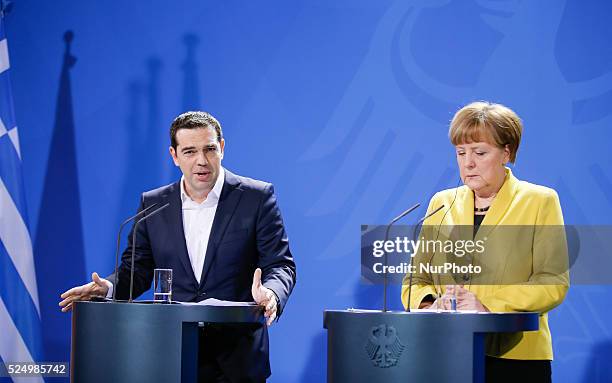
[484, 121]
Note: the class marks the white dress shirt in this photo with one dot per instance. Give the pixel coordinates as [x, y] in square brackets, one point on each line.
[197, 223]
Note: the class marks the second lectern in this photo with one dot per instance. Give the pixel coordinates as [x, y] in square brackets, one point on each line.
[375, 346]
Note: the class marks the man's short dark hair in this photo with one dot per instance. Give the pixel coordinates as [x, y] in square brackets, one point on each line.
[194, 120]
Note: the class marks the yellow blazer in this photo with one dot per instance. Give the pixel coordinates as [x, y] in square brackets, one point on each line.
[534, 260]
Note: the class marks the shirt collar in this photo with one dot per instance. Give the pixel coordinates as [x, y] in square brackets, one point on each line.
[213, 195]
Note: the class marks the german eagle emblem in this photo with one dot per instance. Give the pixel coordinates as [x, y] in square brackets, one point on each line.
[383, 346]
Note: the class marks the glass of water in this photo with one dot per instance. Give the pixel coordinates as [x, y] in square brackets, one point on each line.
[162, 285]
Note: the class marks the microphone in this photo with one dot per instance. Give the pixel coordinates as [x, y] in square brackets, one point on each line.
[412, 255]
[394, 220]
[119, 244]
[134, 244]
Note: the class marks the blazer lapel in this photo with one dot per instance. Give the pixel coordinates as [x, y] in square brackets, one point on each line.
[228, 202]
[500, 205]
[463, 214]
[174, 216]
[460, 216]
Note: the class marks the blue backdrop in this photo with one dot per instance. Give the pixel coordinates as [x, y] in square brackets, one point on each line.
[343, 105]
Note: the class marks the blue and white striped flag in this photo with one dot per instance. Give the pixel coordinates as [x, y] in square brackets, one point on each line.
[20, 320]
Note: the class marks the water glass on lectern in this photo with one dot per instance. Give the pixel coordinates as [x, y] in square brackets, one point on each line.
[162, 285]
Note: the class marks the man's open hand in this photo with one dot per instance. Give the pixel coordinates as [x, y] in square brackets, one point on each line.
[265, 297]
[98, 287]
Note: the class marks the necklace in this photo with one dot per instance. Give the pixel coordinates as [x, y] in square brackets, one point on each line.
[481, 209]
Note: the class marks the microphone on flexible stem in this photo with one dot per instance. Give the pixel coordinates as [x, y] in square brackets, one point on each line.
[134, 244]
[412, 255]
[119, 244]
[405, 213]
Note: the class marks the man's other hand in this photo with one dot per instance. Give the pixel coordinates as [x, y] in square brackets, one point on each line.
[265, 297]
[98, 287]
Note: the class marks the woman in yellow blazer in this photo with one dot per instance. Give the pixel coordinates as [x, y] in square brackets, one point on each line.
[528, 271]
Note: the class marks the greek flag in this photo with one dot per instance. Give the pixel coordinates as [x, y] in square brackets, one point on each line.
[20, 320]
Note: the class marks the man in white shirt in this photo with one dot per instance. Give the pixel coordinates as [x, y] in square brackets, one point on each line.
[223, 237]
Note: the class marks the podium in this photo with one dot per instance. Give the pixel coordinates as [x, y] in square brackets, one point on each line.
[376, 346]
[138, 342]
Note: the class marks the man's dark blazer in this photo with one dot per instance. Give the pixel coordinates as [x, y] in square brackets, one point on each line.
[247, 233]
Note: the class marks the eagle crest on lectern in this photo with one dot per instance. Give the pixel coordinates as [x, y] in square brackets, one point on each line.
[383, 346]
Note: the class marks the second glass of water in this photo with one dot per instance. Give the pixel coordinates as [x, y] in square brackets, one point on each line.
[162, 285]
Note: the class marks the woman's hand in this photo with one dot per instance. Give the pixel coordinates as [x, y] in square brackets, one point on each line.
[466, 300]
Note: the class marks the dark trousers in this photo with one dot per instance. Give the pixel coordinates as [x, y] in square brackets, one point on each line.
[512, 370]
[210, 372]
[209, 369]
